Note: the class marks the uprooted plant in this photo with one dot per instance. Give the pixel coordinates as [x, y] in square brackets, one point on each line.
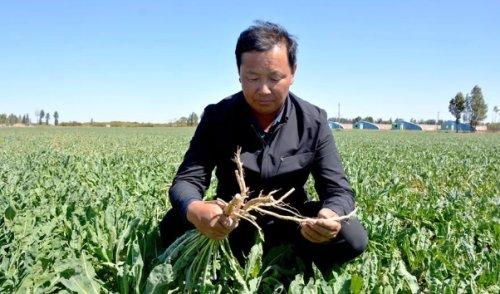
[196, 263]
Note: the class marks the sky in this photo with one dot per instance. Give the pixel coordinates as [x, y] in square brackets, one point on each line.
[155, 61]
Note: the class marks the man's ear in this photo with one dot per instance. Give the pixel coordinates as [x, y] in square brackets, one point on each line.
[293, 74]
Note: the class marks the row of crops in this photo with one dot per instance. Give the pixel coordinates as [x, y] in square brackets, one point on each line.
[79, 209]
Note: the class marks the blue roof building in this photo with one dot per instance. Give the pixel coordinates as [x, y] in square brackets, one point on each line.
[405, 125]
[335, 125]
[364, 125]
[450, 125]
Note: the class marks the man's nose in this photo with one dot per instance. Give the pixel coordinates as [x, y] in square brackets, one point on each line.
[264, 89]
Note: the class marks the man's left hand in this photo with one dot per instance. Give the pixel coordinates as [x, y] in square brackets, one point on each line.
[321, 229]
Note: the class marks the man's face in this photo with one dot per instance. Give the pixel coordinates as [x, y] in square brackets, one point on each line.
[265, 79]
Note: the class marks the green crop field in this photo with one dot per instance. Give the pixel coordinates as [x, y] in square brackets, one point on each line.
[79, 209]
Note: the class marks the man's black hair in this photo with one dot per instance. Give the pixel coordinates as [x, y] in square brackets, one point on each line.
[264, 36]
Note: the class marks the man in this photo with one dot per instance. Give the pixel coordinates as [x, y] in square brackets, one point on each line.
[284, 139]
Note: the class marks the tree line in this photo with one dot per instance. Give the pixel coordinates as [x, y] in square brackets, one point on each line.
[41, 117]
[12, 119]
[44, 118]
[185, 121]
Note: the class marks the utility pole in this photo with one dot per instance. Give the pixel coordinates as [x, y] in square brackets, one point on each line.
[437, 122]
[338, 118]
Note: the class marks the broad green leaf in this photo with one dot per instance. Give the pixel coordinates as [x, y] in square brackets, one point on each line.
[410, 280]
[254, 262]
[10, 213]
[356, 284]
[83, 279]
[159, 278]
[297, 285]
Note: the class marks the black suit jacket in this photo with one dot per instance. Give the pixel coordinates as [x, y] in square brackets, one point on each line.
[299, 145]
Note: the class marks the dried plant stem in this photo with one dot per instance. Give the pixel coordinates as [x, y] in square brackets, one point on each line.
[240, 208]
[302, 219]
[240, 176]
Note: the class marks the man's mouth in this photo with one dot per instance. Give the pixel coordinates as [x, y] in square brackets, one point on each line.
[264, 101]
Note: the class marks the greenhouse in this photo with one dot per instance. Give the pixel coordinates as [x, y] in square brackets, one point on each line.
[450, 125]
[335, 125]
[364, 125]
[405, 125]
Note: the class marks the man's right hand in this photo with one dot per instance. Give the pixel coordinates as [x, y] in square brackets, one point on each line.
[209, 219]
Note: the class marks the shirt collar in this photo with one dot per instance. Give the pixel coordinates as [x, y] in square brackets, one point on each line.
[281, 117]
[283, 114]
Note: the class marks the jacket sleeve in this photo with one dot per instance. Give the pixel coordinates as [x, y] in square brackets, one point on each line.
[330, 181]
[195, 171]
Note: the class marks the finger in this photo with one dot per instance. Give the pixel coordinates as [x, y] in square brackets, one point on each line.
[306, 232]
[314, 224]
[233, 224]
[226, 222]
[327, 213]
[216, 225]
[329, 225]
[315, 235]
[306, 235]
[220, 229]
[220, 202]
[322, 231]
[330, 231]
[311, 237]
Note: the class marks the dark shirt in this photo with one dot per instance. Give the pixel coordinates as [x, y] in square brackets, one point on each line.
[300, 144]
[280, 117]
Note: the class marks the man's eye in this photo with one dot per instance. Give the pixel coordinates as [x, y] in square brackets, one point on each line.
[253, 79]
[275, 79]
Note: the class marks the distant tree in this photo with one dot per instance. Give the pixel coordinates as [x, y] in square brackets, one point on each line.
[495, 110]
[413, 120]
[356, 119]
[192, 119]
[91, 121]
[47, 118]
[343, 120]
[71, 123]
[41, 115]
[476, 107]
[457, 107]
[56, 118]
[12, 119]
[379, 120]
[369, 119]
[182, 122]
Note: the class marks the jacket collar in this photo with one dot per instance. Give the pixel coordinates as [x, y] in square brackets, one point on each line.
[248, 116]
